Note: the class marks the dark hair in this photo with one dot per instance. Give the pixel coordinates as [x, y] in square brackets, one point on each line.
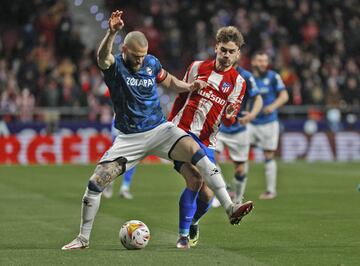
[230, 34]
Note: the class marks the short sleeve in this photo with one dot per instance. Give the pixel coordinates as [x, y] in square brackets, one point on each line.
[279, 84]
[251, 86]
[157, 66]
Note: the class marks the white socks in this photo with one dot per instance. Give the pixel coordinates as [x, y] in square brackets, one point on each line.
[215, 181]
[89, 208]
[270, 174]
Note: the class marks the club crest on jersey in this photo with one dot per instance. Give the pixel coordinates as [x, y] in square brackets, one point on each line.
[266, 81]
[149, 70]
[225, 87]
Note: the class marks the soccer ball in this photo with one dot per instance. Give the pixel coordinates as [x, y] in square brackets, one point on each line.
[134, 234]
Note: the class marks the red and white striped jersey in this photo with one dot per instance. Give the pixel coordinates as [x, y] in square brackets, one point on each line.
[201, 112]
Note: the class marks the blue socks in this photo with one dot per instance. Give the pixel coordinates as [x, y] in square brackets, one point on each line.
[187, 209]
[192, 208]
[202, 208]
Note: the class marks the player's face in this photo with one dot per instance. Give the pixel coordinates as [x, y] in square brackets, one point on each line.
[134, 56]
[227, 54]
[261, 63]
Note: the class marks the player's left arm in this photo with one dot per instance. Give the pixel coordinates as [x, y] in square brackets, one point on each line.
[171, 82]
[281, 98]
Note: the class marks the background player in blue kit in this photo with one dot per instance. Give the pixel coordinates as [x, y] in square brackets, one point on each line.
[132, 78]
[236, 137]
[264, 129]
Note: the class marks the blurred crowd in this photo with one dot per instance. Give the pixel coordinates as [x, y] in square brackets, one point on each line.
[43, 63]
[314, 45]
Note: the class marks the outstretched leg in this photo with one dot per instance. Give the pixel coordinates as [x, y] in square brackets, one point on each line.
[103, 174]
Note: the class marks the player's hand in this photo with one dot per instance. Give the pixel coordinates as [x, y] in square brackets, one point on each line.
[268, 109]
[198, 85]
[115, 22]
[230, 110]
[246, 118]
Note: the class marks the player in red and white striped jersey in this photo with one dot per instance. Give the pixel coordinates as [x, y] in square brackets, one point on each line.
[200, 113]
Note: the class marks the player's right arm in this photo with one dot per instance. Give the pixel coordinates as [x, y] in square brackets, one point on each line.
[104, 57]
[179, 86]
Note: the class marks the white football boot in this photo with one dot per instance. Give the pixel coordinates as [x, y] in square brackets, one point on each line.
[78, 243]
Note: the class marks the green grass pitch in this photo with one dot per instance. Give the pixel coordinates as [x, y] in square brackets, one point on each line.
[314, 221]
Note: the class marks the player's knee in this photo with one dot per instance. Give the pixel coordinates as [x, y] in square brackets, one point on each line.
[198, 155]
[105, 173]
[240, 169]
[269, 155]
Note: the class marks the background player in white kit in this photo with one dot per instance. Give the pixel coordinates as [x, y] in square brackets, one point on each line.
[264, 129]
[131, 77]
[236, 137]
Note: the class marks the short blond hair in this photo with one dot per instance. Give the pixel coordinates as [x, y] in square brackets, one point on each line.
[230, 34]
[136, 37]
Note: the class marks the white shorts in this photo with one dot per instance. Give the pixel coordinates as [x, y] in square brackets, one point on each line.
[238, 145]
[265, 136]
[134, 147]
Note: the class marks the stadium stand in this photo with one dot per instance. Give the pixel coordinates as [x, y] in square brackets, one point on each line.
[45, 63]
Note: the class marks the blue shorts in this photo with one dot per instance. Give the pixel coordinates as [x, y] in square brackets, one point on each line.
[210, 153]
